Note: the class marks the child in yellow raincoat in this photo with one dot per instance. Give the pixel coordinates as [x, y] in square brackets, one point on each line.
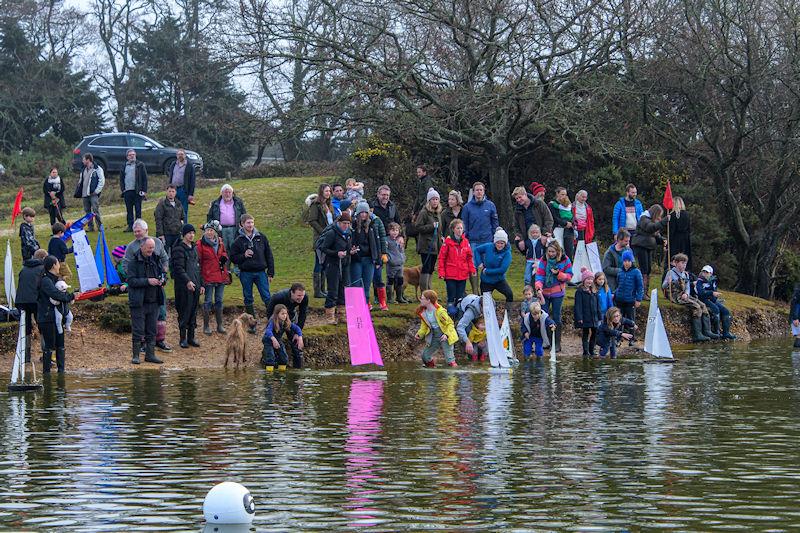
[437, 328]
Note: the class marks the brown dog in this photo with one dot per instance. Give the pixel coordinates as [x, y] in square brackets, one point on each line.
[411, 277]
[236, 341]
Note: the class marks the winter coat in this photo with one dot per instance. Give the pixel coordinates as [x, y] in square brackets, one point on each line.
[238, 209]
[794, 306]
[607, 334]
[429, 239]
[682, 279]
[47, 290]
[448, 217]
[559, 287]
[96, 184]
[455, 259]
[28, 241]
[534, 250]
[189, 178]
[537, 213]
[58, 248]
[630, 286]
[443, 320]
[47, 188]
[495, 263]
[618, 220]
[705, 289]
[480, 220]
[387, 214]
[277, 332]
[543, 329]
[28, 282]
[368, 234]
[606, 299]
[139, 270]
[262, 253]
[612, 264]
[317, 219]
[587, 309]
[588, 233]
[647, 232]
[380, 227]
[160, 253]
[285, 297]
[397, 258]
[213, 265]
[140, 184]
[335, 241]
[469, 308]
[680, 241]
[185, 265]
[169, 218]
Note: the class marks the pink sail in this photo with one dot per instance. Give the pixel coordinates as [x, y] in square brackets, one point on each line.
[360, 331]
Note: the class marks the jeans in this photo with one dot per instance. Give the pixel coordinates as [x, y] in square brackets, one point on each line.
[270, 356]
[262, 284]
[552, 306]
[91, 204]
[228, 236]
[610, 347]
[717, 309]
[361, 269]
[133, 206]
[217, 290]
[455, 289]
[183, 198]
[532, 345]
[530, 266]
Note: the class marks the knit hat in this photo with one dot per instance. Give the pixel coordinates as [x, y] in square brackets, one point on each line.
[186, 229]
[431, 194]
[500, 235]
[627, 255]
[362, 207]
[586, 274]
[537, 188]
[344, 203]
[344, 217]
[119, 251]
[708, 269]
[215, 225]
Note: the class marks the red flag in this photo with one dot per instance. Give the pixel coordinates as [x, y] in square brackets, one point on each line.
[668, 203]
[17, 206]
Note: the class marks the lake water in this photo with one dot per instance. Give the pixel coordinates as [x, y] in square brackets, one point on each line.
[710, 443]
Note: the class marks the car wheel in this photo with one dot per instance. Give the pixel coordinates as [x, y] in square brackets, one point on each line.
[167, 163]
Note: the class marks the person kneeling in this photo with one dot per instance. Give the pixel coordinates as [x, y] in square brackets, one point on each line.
[437, 328]
[677, 285]
[278, 326]
[611, 331]
[477, 336]
[706, 289]
[535, 328]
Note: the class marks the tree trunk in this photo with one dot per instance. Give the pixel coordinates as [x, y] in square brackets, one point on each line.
[500, 194]
[453, 168]
[259, 154]
[756, 264]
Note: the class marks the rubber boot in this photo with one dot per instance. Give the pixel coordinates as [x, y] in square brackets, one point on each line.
[183, 343]
[382, 298]
[330, 315]
[252, 312]
[190, 338]
[706, 322]
[161, 335]
[797, 342]
[390, 295]
[558, 338]
[318, 286]
[206, 327]
[61, 358]
[297, 360]
[726, 330]
[150, 354]
[47, 361]
[715, 325]
[475, 284]
[424, 282]
[375, 298]
[401, 296]
[697, 330]
[646, 284]
[220, 320]
[136, 346]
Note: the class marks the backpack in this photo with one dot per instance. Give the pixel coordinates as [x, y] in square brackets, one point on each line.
[318, 244]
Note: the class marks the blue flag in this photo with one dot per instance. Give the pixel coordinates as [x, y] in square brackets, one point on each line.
[77, 226]
[103, 260]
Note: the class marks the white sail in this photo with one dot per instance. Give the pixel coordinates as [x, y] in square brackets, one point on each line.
[553, 347]
[11, 289]
[594, 257]
[88, 276]
[18, 371]
[558, 235]
[656, 342]
[497, 354]
[507, 341]
[581, 260]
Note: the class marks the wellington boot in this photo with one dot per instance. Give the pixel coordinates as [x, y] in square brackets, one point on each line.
[726, 330]
[269, 368]
[183, 344]
[715, 320]
[429, 364]
[281, 368]
[390, 295]
[474, 284]
[136, 347]
[706, 323]
[206, 327]
[220, 319]
[330, 315]
[150, 354]
[191, 339]
[697, 330]
[382, 298]
[424, 282]
[401, 295]
[318, 292]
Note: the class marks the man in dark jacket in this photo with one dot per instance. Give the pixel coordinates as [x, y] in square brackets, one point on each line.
[188, 284]
[181, 174]
[529, 210]
[228, 210]
[170, 217]
[424, 184]
[251, 252]
[145, 295]
[612, 259]
[337, 249]
[296, 301]
[133, 185]
[28, 293]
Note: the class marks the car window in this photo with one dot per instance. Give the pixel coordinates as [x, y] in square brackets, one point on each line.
[137, 141]
[109, 140]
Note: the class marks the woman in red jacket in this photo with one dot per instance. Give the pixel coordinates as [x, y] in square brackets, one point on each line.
[455, 262]
[214, 272]
[583, 217]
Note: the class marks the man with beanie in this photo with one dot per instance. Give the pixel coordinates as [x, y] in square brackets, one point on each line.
[630, 288]
[188, 284]
[252, 253]
[146, 277]
[480, 222]
[495, 258]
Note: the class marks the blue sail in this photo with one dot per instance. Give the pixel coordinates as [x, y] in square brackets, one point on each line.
[77, 226]
[103, 260]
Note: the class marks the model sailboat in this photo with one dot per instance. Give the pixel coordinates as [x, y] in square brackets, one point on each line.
[498, 338]
[656, 342]
[96, 272]
[364, 348]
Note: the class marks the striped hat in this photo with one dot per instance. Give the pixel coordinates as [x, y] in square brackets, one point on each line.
[119, 252]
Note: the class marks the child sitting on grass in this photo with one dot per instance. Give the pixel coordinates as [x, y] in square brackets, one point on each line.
[436, 328]
[536, 328]
[706, 289]
[477, 336]
[278, 326]
[677, 286]
[611, 330]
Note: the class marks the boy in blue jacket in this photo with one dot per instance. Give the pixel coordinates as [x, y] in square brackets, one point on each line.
[706, 289]
[630, 288]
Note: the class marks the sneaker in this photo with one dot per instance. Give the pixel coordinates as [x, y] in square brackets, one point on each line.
[452, 364]
[163, 346]
[429, 364]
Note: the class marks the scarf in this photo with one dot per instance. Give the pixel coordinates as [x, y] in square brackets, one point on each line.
[214, 244]
[550, 279]
[55, 183]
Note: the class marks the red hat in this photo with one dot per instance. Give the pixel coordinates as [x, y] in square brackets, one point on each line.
[537, 188]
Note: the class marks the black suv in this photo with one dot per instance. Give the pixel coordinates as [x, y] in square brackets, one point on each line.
[110, 149]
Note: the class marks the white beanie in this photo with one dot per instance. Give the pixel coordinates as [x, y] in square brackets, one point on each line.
[431, 194]
[500, 235]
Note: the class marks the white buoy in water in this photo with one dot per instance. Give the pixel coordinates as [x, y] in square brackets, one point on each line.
[229, 503]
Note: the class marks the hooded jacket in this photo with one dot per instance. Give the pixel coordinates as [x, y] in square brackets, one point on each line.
[455, 259]
[495, 263]
[480, 220]
[28, 282]
[443, 320]
[262, 253]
